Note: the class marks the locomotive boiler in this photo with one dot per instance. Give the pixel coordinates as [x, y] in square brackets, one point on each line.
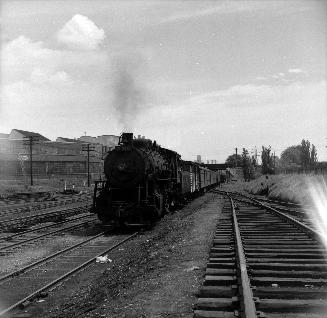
[141, 181]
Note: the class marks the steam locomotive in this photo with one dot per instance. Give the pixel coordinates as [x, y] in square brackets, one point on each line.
[144, 181]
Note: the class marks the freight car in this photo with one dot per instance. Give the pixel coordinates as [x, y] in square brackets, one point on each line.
[144, 181]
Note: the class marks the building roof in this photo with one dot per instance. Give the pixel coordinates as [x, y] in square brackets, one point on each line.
[67, 139]
[31, 134]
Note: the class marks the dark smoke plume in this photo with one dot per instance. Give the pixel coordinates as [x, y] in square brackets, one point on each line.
[128, 95]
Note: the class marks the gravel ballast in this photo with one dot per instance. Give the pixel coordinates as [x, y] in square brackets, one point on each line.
[157, 274]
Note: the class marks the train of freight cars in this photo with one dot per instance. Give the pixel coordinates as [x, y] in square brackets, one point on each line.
[144, 181]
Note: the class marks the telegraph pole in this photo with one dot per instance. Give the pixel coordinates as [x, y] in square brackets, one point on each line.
[87, 148]
[236, 157]
[30, 141]
[31, 158]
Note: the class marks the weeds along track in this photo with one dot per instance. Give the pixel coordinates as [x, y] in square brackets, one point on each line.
[263, 264]
[36, 217]
[12, 241]
[11, 210]
[19, 288]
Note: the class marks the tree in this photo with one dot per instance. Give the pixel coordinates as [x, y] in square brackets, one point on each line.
[291, 157]
[313, 156]
[267, 162]
[247, 165]
[233, 161]
[243, 161]
[303, 155]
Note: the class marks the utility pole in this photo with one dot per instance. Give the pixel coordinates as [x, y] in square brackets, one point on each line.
[87, 148]
[30, 141]
[274, 162]
[236, 157]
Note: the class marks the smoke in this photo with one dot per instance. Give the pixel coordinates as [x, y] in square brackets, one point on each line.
[128, 91]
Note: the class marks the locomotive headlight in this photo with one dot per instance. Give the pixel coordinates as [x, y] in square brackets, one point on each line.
[318, 216]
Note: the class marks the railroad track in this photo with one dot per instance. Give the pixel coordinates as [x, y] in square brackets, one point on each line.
[263, 264]
[21, 287]
[9, 242]
[296, 211]
[11, 210]
[15, 224]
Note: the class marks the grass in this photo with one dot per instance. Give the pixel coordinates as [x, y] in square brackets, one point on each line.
[293, 188]
[12, 187]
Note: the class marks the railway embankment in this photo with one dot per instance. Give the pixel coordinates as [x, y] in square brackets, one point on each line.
[290, 188]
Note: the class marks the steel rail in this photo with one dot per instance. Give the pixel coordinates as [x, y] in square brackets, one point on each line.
[44, 235]
[27, 267]
[310, 231]
[38, 205]
[63, 277]
[307, 229]
[248, 305]
[50, 213]
[8, 237]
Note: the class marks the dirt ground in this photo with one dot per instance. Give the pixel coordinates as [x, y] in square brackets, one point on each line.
[155, 275]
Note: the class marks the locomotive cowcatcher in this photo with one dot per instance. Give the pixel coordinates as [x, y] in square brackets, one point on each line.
[141, 182]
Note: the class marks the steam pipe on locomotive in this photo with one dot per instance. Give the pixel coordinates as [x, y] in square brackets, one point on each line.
[144, 180]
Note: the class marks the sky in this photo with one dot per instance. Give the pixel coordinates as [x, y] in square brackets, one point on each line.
[199, 77]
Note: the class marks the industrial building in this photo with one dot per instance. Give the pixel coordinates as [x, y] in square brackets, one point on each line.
[62, 157]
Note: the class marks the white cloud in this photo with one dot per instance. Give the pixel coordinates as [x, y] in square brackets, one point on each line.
[230, 7]
[81, 33]
[279, 115]
[41, 76]
[296, 70]
[282, 77]
[47, 88]
[20, 56]
[23, 59]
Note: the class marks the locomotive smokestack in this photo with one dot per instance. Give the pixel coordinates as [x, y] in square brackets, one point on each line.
[127, 138]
